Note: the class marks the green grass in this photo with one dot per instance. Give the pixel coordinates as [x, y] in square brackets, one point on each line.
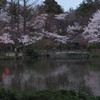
[79, 56]
[95, 54]
[7, 57]
[45, 95]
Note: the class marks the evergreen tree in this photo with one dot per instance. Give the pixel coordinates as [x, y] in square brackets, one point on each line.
[52, 7]
[88, 7]
[86, 10]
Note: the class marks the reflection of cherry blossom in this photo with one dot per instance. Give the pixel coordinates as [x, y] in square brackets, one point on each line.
[4, 41]
[6, 71]
[3, 75]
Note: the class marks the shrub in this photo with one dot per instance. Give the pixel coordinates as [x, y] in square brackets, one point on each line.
[93, 46]
[31, 52]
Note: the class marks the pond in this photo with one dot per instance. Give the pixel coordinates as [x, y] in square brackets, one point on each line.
[41, 74]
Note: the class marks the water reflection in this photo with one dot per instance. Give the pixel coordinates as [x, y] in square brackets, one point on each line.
[5, 72]
[51, 74]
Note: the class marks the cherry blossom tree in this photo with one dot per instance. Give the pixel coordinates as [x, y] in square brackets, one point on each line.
[92, 31]
[74, 29]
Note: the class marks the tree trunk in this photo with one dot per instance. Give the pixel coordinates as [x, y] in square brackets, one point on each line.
[24, 17]
[18, 18]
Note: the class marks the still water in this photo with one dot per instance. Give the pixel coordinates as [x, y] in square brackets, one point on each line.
[42, 74]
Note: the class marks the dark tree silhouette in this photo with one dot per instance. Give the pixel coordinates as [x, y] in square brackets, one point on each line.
[53, 7]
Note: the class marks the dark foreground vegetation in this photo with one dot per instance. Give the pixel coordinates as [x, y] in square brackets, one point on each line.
[45, 95]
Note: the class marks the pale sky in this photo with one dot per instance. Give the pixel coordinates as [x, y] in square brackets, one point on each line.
[67, 4]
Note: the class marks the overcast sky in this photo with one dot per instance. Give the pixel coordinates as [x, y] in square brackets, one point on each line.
[66, 4]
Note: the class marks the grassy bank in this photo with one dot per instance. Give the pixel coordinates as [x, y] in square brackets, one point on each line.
[77, 54]
[95, 54]
[9, 57]
[45, 95]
